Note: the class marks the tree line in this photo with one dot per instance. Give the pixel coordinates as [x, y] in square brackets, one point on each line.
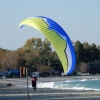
[35, 54]
[88, 57]
[38, 55]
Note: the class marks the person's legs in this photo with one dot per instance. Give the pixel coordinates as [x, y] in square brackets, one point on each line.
[34, 86]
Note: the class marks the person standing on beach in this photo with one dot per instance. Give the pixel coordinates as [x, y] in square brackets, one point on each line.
[34, 79]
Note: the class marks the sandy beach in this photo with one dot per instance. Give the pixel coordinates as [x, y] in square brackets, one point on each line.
[20, 93]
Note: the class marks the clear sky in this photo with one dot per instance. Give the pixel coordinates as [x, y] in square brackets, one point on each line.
[79, 18]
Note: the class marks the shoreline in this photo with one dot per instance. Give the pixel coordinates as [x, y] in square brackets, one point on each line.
[20, 93]
[15, 81]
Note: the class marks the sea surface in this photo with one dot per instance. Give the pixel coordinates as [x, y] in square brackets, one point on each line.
[80, 84]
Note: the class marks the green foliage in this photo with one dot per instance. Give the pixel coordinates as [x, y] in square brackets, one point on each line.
[79, 51]
[44, 69]
[86, 53]
[38, 55]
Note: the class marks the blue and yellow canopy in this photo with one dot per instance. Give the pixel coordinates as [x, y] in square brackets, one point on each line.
[57, 37]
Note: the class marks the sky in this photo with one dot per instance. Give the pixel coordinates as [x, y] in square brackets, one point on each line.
[79, 18]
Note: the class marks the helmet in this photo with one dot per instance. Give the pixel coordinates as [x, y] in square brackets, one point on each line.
[33, 75]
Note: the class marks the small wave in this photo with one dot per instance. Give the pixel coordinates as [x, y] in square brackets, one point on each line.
[46, 85]
[68, 81]
[83, 80]
[95, 79]
[73, 84]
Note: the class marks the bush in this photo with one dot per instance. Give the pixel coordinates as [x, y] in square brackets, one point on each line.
[44, 74]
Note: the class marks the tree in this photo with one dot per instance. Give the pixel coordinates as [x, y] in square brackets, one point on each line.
[79, 51]
[2, 54]
[86, 52]
[33, 43]
[84, 67]
[29, 45]
[94, 53]
[44, 69]
[10, 60]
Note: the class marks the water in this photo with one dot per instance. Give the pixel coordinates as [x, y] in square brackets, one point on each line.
[84, 84]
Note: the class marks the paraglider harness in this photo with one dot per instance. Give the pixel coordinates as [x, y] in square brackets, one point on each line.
[34, 79]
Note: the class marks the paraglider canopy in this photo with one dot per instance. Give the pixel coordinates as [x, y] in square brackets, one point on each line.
[57, 37]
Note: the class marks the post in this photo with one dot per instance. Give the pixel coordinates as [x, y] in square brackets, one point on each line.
[27, 84]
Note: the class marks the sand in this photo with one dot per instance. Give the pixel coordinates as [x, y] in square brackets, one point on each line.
[20, 93]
